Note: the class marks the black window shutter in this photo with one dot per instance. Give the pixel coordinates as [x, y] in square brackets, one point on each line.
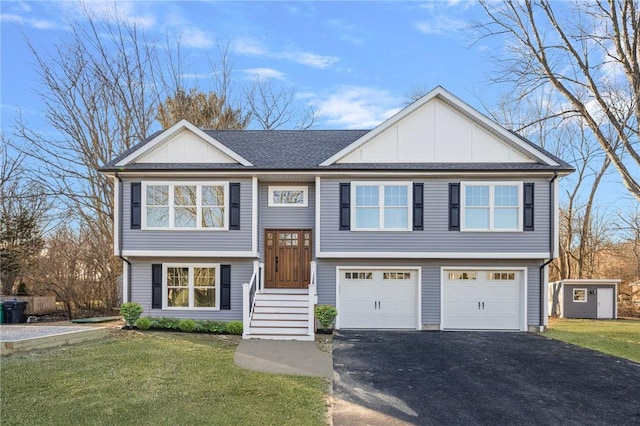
[156, 286]
[136, 205]
[225, 286]
[527, 211]
[454, 207]
[234, 206]
[418, 206]
[345, 206]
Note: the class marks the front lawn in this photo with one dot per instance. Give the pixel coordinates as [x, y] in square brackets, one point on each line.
[156, 378]
[620, 337]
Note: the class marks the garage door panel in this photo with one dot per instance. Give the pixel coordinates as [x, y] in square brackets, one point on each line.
[482, 300]
[385, 299]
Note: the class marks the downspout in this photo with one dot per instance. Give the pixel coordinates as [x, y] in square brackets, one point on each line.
[543, 289]
[120, 233]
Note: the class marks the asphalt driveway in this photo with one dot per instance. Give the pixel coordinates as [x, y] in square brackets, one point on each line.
[436, 378]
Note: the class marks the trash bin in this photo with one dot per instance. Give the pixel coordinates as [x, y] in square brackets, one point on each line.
[1, 312]
[14, 311]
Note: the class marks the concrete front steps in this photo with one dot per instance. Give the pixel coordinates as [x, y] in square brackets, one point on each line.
[281, 314]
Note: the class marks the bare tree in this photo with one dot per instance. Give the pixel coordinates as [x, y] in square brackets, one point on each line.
[23, 212]
[272, 105]
[591, 59]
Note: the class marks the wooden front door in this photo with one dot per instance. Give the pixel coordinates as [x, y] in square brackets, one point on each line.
[287, 257]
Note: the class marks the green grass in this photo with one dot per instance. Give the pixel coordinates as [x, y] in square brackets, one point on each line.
[152, 379]
[620, 338]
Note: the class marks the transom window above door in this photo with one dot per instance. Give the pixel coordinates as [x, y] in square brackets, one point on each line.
[288, 196]
[491, 206]
[381, 206]
[185, 205]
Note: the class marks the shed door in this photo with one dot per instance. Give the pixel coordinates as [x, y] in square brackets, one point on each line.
[605, 303]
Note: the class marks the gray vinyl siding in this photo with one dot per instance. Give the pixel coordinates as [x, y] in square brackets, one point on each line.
[588, 309]
[436, 236]
[191, 240]
[241, 271]
[431, 275]
[284, 217]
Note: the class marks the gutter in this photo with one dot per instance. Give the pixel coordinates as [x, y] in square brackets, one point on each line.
[119, 236]
[543, 290]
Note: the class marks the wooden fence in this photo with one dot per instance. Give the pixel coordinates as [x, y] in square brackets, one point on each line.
[36, 305]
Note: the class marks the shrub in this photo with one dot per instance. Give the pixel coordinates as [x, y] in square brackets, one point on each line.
[168, 323]
[131, 311]
[234, 327]
[326, 314]
[143, 323]
[218, 327]
[187, 325]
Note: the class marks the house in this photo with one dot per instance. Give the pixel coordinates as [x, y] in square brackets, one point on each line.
[437, 219]
[584, 298]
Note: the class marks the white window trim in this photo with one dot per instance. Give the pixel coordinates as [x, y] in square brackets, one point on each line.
[172, 185]
[491, 185]
[191, 266]
[381, 185]
[305, 195]
[573, 294]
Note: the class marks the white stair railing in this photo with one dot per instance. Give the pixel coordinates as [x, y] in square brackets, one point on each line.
[313, 299]
[248, 293]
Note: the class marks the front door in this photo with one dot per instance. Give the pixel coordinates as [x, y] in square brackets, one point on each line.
[287, 261]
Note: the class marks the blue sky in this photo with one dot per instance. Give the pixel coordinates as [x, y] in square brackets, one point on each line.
[354, 61]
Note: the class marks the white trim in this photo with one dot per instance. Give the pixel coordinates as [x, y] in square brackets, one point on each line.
[125, 281]
[381, 207]
[556, 220]
[191, 267]
[587, 281]
[254, 214]
[171, 206]
[379, 174]
[116, 216]
[418, 270]
[179, 253]
[316, 232]
[573, 295]
[303, 189]
[524, 283]
[449, 98]
[433, 255]
[182, 124]
[491, 184]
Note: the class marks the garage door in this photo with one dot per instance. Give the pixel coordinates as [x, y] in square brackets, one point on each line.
[377, 298]
[483, 300]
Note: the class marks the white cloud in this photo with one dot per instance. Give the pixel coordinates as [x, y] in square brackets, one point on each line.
[252, 47]
[111, 11]
[307, 58]
[38, 24]
[357, 107]
[440, 25]
[195, 37]
[264, 73]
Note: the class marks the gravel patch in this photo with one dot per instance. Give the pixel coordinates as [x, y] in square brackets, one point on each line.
[14, 333]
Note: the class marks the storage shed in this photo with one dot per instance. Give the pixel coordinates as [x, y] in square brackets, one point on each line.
[584, 298]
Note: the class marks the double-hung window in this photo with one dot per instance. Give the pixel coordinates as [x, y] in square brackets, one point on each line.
[491, 206]
[185, 205]
[381, 206]
[191, 286]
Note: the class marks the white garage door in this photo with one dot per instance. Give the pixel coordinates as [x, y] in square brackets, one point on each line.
[483, 299]
[377, 298]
